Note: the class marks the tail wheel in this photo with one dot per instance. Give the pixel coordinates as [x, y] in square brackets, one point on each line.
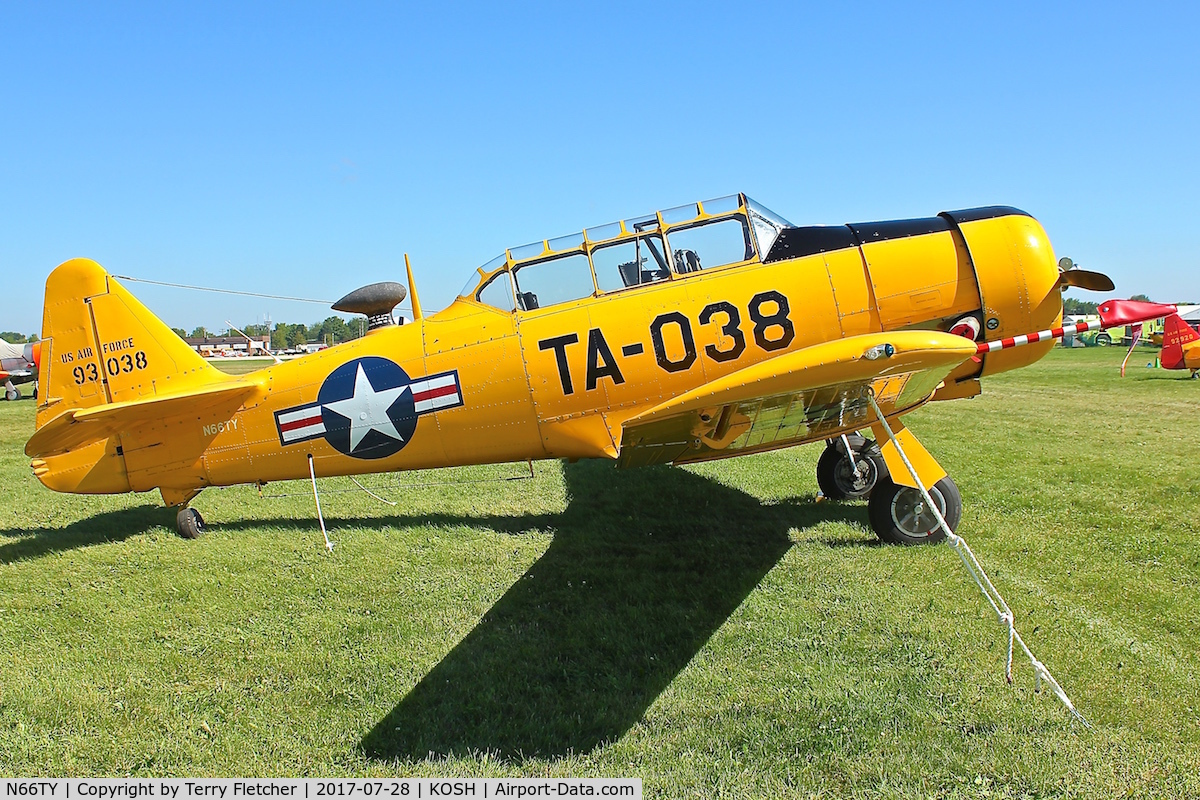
[836, 471]
[189, 523]
[900, 514]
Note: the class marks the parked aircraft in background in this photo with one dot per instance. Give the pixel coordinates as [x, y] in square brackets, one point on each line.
[1180, 345]
[711, 330]
[18, 364]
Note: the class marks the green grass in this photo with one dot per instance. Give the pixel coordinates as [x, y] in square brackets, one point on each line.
[710, 629]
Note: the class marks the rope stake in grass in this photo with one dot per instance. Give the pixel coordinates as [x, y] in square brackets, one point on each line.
[312, 473]
[1003, 613]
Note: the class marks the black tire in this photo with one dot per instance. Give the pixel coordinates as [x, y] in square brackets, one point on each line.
[898, 514]
[12, 394]
[189, 523]
[835, 471]
[1103, 340]
[35, 391]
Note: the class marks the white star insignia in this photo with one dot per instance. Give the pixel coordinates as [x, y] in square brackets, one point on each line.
[367, 409]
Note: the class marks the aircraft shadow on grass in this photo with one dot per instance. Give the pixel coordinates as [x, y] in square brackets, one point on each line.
[644, 567]
[109, 526]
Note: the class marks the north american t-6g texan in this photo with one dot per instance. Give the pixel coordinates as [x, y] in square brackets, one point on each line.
[706, 331]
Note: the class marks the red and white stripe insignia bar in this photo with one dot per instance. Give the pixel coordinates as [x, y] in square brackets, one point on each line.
[432, 393]
[436, 392]
[300, 424]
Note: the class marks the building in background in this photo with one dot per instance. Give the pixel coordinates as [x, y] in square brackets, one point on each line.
[230, 345]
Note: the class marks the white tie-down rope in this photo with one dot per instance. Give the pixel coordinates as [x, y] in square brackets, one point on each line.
[1004, 614]
[313, 474]
[372, 494]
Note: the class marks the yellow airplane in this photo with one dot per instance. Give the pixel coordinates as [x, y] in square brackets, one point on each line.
[710, 330]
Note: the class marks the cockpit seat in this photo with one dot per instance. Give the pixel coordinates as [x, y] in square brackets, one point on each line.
[630, 273]
[686, 261]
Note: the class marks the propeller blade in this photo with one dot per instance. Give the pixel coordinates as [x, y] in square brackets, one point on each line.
[1085, 279]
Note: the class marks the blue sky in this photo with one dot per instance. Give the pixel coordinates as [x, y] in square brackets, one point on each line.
[302, 149]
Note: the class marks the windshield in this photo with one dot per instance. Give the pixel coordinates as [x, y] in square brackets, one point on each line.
[468, 290]
[766, 224]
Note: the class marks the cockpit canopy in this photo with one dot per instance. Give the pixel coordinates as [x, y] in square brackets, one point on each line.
[723, 232]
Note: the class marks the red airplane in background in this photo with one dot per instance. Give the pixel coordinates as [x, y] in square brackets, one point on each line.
[1181, 345]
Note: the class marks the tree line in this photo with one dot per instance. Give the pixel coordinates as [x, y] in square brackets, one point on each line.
[1081, 308]
[12, 337]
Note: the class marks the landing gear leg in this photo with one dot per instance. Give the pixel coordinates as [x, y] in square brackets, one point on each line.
[850, 468]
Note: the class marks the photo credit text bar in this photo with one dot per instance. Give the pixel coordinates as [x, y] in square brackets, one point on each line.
[313, 788]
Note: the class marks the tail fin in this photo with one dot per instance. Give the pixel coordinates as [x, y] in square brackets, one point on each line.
[1176, 335]
[100, 345]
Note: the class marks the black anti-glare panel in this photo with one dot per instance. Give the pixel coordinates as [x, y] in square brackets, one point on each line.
[871, 232]
[797, 242]
[985, 212]
[807, 241]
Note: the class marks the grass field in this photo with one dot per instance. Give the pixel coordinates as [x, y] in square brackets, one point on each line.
[709, 629]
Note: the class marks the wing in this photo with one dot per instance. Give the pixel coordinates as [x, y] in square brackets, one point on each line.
[797, 397]
[78, 427]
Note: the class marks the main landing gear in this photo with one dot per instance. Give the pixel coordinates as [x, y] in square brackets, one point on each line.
[899, 514]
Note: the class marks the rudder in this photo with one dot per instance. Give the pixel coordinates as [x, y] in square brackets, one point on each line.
[1176, 334]
[101, 345]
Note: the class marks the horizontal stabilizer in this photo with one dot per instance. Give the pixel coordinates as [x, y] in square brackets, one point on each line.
[78, 427]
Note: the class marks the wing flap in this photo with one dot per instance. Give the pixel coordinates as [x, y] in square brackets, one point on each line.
[76, 428]
[799, 396]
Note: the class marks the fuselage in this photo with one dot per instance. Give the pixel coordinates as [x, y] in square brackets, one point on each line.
[554, 346]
